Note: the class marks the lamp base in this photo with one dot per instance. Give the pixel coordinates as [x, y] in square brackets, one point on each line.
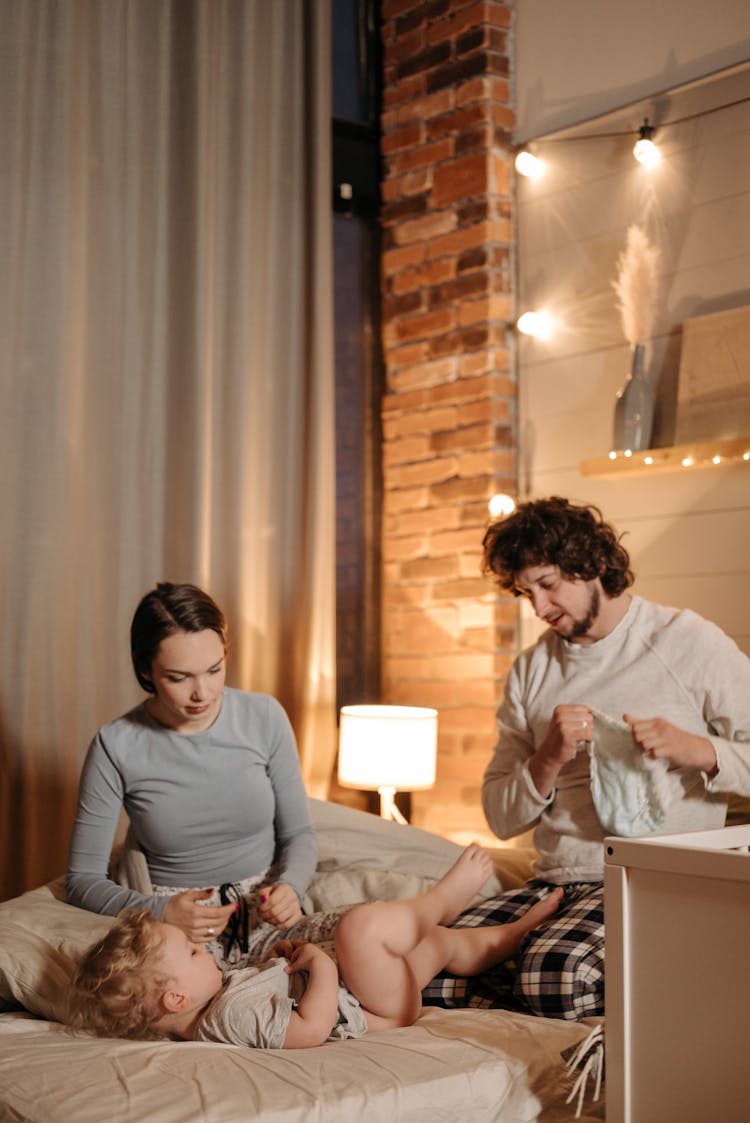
[388, 809]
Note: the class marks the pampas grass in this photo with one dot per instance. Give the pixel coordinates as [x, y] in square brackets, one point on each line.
[636, 285]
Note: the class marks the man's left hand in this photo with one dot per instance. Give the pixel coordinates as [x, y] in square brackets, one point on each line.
[658, 739]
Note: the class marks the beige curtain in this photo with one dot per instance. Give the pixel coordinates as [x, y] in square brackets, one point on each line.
[166, 381]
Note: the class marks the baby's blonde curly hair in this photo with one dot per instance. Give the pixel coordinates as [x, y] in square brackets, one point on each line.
[116, 986]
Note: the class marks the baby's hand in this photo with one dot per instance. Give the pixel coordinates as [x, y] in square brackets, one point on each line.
[284, 949]
[303, 956]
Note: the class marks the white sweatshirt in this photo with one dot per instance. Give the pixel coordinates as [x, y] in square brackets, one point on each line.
[657, 662]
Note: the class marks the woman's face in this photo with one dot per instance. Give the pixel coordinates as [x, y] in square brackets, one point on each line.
[188, 675]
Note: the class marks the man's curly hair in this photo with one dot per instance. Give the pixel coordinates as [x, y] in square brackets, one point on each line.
[554, 531]
[116, 989]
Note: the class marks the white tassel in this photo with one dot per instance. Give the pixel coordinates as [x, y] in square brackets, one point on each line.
[591, 1053]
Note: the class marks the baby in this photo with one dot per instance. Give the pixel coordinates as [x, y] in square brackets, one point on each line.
[146, 979]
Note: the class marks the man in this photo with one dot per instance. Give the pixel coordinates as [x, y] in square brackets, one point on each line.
[679, 684]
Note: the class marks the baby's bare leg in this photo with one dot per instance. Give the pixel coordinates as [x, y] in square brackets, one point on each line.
[374, 940]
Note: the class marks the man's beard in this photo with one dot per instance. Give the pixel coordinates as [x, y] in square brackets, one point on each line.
[582, 626]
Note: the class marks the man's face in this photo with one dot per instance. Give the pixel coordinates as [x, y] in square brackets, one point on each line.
[569, 605]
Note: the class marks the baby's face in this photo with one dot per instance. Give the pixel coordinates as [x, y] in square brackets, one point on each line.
[191, 969]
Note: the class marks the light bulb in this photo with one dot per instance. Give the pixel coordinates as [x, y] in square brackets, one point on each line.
[501, 505]
[644, 150]
[538, 324]
[530, 165]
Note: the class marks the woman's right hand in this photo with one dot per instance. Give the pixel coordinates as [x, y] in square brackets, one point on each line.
[200, 923]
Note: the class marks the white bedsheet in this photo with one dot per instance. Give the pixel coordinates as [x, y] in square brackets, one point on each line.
[482, 1066]
[487, 1066]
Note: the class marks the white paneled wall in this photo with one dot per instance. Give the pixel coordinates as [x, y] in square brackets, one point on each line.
[688, 531]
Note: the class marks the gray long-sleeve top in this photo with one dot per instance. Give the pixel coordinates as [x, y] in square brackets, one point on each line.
[206, 808]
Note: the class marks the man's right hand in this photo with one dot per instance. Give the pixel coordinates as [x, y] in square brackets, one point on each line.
[571, 729]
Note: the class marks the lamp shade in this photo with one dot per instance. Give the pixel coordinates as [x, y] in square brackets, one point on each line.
[387, 746]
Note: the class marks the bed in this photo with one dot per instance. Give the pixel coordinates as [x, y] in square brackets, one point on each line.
[478, 1065]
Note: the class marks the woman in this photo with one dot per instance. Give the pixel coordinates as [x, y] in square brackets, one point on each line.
[210, 779]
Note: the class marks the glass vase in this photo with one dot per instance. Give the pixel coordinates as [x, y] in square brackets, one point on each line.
[634, 408]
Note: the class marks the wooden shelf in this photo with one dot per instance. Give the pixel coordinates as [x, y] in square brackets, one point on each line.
[676, 458]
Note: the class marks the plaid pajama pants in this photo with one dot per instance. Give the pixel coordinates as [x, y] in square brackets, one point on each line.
[560, 970]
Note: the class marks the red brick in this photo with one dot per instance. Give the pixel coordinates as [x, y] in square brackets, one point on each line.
[422, 327]
[459, 241]
[406, 500]
[480, 311]
[399, 403]
[430, 519]
[456, 541]
[425, 229]
[473, 437]
[413, 183]
[402, 257]
[406, 137]
[405, 549]
[434, 273]
[423, 156]
[425, 421]
[458, 120]
[460, 179]
[464, 389]
[429, 472]
[424, 108]
[407, 450]
[389, 9]
[404, 91]
[408, 354]
[429, 569]
[404, 47]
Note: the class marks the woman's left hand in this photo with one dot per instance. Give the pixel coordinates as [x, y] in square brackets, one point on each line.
[279, 905]
[658, 739]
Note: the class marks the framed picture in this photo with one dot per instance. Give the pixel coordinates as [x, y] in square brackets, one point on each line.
[713, 395]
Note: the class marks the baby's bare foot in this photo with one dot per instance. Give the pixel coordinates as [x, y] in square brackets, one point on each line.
[462, 882]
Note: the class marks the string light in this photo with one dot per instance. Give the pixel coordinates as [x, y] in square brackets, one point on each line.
[529, 165]
[720, 453]
[644, 149]
[538, 324]
[501, 505]
[644, 144]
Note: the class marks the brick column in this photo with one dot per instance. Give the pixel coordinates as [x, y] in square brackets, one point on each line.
[450, 397]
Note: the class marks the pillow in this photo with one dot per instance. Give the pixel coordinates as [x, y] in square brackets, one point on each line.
[353, 844]
[350, 839]
[40, 935]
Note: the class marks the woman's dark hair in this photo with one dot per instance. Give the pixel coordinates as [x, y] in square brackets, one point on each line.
[162, 612]
[554, 531]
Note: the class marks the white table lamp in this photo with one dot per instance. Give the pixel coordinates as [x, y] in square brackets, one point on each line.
[387, 749]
